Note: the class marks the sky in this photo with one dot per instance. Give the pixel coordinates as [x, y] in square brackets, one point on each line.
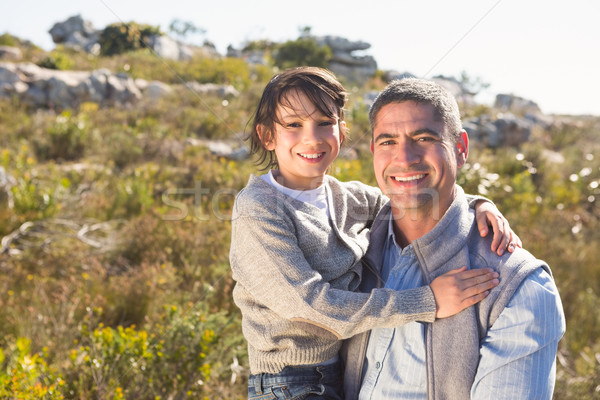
[546, 51]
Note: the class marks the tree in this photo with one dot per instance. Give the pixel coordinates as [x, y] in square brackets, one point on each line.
[185, 28]
[302, 51]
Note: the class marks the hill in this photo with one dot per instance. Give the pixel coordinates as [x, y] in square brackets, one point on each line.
[116, 190]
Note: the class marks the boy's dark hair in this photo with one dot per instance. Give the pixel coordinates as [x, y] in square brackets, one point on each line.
[318, 84]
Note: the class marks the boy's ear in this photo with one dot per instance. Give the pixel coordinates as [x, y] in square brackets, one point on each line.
[343, 128]
[269, 145]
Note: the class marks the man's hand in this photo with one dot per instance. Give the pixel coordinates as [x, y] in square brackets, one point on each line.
[504, 238]
[461, 288]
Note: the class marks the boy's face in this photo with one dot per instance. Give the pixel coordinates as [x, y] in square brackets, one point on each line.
[306, 143]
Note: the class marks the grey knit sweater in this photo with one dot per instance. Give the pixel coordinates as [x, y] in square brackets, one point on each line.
[295, 271]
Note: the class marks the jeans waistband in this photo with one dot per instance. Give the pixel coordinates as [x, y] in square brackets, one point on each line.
[295, 374]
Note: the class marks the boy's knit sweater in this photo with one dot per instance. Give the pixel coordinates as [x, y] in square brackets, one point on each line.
[296, 270]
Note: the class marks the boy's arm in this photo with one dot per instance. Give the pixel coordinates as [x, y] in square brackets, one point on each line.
[487, 214]
[267, 262]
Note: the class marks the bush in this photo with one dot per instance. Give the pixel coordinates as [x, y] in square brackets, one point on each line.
[65, 140]
[26, 376]
[120, 37]
[167, 361]
[302, 51]
[57, 59]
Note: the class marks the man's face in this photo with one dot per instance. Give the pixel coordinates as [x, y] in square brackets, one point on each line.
[415, 158]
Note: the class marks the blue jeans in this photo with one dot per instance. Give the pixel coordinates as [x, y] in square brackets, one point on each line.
[298, 383]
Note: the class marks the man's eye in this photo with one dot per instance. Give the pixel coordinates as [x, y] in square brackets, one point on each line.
[425, 139]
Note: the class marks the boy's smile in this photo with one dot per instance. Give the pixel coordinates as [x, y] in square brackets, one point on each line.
[306, 142]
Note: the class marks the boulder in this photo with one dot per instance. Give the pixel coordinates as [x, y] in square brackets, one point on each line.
[505, 130]
[43, 87]
[222, 91]
[516, 104]
[155, 90]
[391, 75]
[169, 48]
[344, 61]
[10, 53]
[77, 33]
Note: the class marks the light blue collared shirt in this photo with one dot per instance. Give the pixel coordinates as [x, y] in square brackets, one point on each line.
[517, 357]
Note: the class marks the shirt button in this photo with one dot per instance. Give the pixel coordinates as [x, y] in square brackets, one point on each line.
[378, 365]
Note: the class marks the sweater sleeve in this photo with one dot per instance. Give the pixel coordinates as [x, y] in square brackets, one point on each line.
[267, 262]
[472, 199]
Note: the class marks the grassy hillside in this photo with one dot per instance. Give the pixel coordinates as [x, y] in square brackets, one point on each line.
[115, 233]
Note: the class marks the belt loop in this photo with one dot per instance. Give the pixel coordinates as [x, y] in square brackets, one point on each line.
[258, 387]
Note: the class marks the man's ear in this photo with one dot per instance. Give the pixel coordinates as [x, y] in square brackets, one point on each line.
[462, 147]
[269, 145]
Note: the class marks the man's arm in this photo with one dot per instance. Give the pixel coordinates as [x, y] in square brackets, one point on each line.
[518, 355]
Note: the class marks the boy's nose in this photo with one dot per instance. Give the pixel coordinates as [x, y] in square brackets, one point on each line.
[311, 135]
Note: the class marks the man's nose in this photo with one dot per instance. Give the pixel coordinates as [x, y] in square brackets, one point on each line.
[406, 154]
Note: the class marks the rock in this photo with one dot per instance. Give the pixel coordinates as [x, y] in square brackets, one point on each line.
[506, 130]
[513, 130]
[169, 48]
[10, 53]
[76, 33]
[8, 73]
[516, 104]
[155, 90]
[43, 87]
[391, 75]
[222, 91]
[344, 62]
[7, 181]
[231, 151]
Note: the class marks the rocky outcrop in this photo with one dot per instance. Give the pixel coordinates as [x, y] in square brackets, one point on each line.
[76, 33]
[50, 88]
[42, 87]
[516, 104]
[212, 89]
[345, 62]
[506, 129]
[10, 53]
[80, 34]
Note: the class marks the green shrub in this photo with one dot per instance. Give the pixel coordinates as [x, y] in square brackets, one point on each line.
[7, 39]
[167, 361]
[27, 376]
[66, 139]
[57, 59]
[121, 37]
[302, 51]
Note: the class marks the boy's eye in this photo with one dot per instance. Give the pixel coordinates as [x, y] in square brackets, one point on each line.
[326, 123]
[293, 125]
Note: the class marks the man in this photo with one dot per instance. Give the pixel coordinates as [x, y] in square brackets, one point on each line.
[502, 348]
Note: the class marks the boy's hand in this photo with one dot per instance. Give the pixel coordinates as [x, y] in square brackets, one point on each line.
[461, 288]
[504, 238]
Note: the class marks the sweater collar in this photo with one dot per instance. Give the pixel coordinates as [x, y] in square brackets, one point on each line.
[448, 237]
